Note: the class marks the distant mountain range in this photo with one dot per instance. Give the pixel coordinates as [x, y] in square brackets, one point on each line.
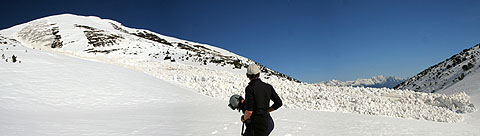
[374, 82]
[445, 73]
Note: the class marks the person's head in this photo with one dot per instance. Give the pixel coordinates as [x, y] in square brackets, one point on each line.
[253, 71]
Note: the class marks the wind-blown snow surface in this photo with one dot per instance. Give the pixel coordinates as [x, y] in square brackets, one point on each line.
[52, 94]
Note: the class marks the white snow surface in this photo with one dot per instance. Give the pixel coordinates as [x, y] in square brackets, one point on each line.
[49, 93]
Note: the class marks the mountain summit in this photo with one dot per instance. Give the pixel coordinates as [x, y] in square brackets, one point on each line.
[82, 35]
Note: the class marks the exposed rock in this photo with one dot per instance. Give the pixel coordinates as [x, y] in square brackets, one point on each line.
[57, 43]
[99, 38]
[152, 37]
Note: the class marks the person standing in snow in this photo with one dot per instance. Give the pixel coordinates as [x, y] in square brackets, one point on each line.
[257, 98]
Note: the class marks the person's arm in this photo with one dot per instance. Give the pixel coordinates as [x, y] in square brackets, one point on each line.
[277, 102]
[249, 100]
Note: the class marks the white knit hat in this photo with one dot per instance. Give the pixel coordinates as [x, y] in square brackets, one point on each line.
[253, 69]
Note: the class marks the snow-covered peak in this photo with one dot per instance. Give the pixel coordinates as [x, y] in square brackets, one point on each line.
[76, 34]
[62, 20]
[375, 82]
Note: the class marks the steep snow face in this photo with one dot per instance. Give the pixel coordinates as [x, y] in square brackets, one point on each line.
[375, 82]
[217, 73]
[93, 35]
[446, 73]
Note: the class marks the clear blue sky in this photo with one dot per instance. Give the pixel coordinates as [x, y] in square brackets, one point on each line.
[308, 40]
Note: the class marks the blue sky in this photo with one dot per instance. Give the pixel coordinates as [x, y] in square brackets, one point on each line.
[308, 40]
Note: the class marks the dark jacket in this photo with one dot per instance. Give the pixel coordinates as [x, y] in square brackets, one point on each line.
[258, 95]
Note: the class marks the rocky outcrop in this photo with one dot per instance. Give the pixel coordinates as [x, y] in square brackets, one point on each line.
[99, 38]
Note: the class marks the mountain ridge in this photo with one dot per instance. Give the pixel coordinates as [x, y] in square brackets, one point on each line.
[375, 82]
[445, 73]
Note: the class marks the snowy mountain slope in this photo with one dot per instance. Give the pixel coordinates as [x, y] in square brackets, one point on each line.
[93, 35]
[470, 85]
[217, 73]
[446, 73]
[375, 82]
[53, 94]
